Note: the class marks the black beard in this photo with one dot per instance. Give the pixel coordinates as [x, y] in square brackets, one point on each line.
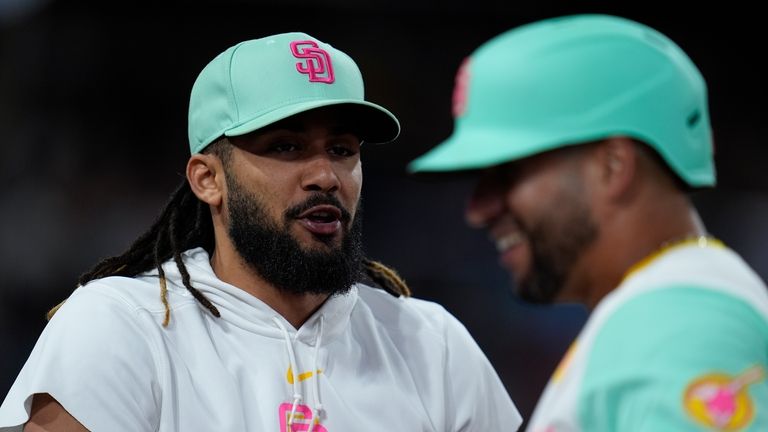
[555, 246]
[277, 256]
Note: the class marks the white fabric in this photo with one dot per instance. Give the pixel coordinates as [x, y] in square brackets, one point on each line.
[385, 363]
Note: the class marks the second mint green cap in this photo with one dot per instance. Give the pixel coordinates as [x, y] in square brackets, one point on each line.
[574, 79]
[261, 81]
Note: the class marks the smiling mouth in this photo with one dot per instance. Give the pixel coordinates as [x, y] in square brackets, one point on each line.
[508, 241]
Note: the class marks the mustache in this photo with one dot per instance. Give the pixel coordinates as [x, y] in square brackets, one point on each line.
[316, 200]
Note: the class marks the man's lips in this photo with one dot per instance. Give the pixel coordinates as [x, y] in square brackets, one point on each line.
[508, 241]
[321, 219]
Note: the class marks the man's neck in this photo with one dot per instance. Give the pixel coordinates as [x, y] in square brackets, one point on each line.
[631, 237]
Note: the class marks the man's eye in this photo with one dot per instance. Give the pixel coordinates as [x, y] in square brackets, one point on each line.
[283, 147]
[340, 151]
[343, 151]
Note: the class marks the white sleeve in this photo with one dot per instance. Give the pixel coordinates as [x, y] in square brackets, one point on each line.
[477, 398]
[94, 358]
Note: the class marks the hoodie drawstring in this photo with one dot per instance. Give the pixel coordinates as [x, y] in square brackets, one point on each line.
[295, 379]
[316, 369]
[297, 397]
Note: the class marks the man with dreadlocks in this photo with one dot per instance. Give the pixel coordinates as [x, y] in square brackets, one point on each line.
[239, 309]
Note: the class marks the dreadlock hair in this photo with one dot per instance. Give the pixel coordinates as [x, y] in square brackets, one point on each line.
[386, 277]
[186, 223]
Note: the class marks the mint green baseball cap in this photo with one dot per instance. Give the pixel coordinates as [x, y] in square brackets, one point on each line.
[575, 79]
[258, 82]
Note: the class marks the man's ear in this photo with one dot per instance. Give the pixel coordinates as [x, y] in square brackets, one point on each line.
[618, 159]
[205, 174]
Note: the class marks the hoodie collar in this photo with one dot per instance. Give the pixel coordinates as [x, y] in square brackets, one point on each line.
[243, 310]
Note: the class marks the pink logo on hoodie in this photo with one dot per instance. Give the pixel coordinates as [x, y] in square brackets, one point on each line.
[302, 419]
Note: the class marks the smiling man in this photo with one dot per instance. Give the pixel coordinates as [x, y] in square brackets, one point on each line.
[240, 309]
[587, 133]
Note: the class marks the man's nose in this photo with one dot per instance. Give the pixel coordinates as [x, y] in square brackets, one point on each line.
[485, 205]
[319, 175]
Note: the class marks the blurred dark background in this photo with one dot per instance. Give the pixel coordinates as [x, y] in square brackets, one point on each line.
[93, 137]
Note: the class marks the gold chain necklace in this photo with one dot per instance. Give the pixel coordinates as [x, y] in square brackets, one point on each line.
[668, 246]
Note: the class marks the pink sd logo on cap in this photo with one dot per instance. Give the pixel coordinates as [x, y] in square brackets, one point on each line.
[317, 61]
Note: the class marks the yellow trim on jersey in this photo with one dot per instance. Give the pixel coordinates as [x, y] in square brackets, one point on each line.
[701, 241]
[565, 363]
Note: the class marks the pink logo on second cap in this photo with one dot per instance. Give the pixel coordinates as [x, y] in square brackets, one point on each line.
[460, 89]
[316, 63]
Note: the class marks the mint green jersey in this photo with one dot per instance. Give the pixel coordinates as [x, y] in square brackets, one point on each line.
[680, 345]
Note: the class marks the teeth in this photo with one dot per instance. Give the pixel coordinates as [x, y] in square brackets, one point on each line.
[322, 216]
[508, 241]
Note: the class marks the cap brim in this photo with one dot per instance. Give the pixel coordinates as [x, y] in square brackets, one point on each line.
[477, 149]
[373, 123]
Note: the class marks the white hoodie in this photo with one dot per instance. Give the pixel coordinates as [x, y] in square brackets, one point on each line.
[365, 361]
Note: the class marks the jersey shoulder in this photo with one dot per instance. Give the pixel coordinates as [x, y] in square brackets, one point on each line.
[654, 348]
